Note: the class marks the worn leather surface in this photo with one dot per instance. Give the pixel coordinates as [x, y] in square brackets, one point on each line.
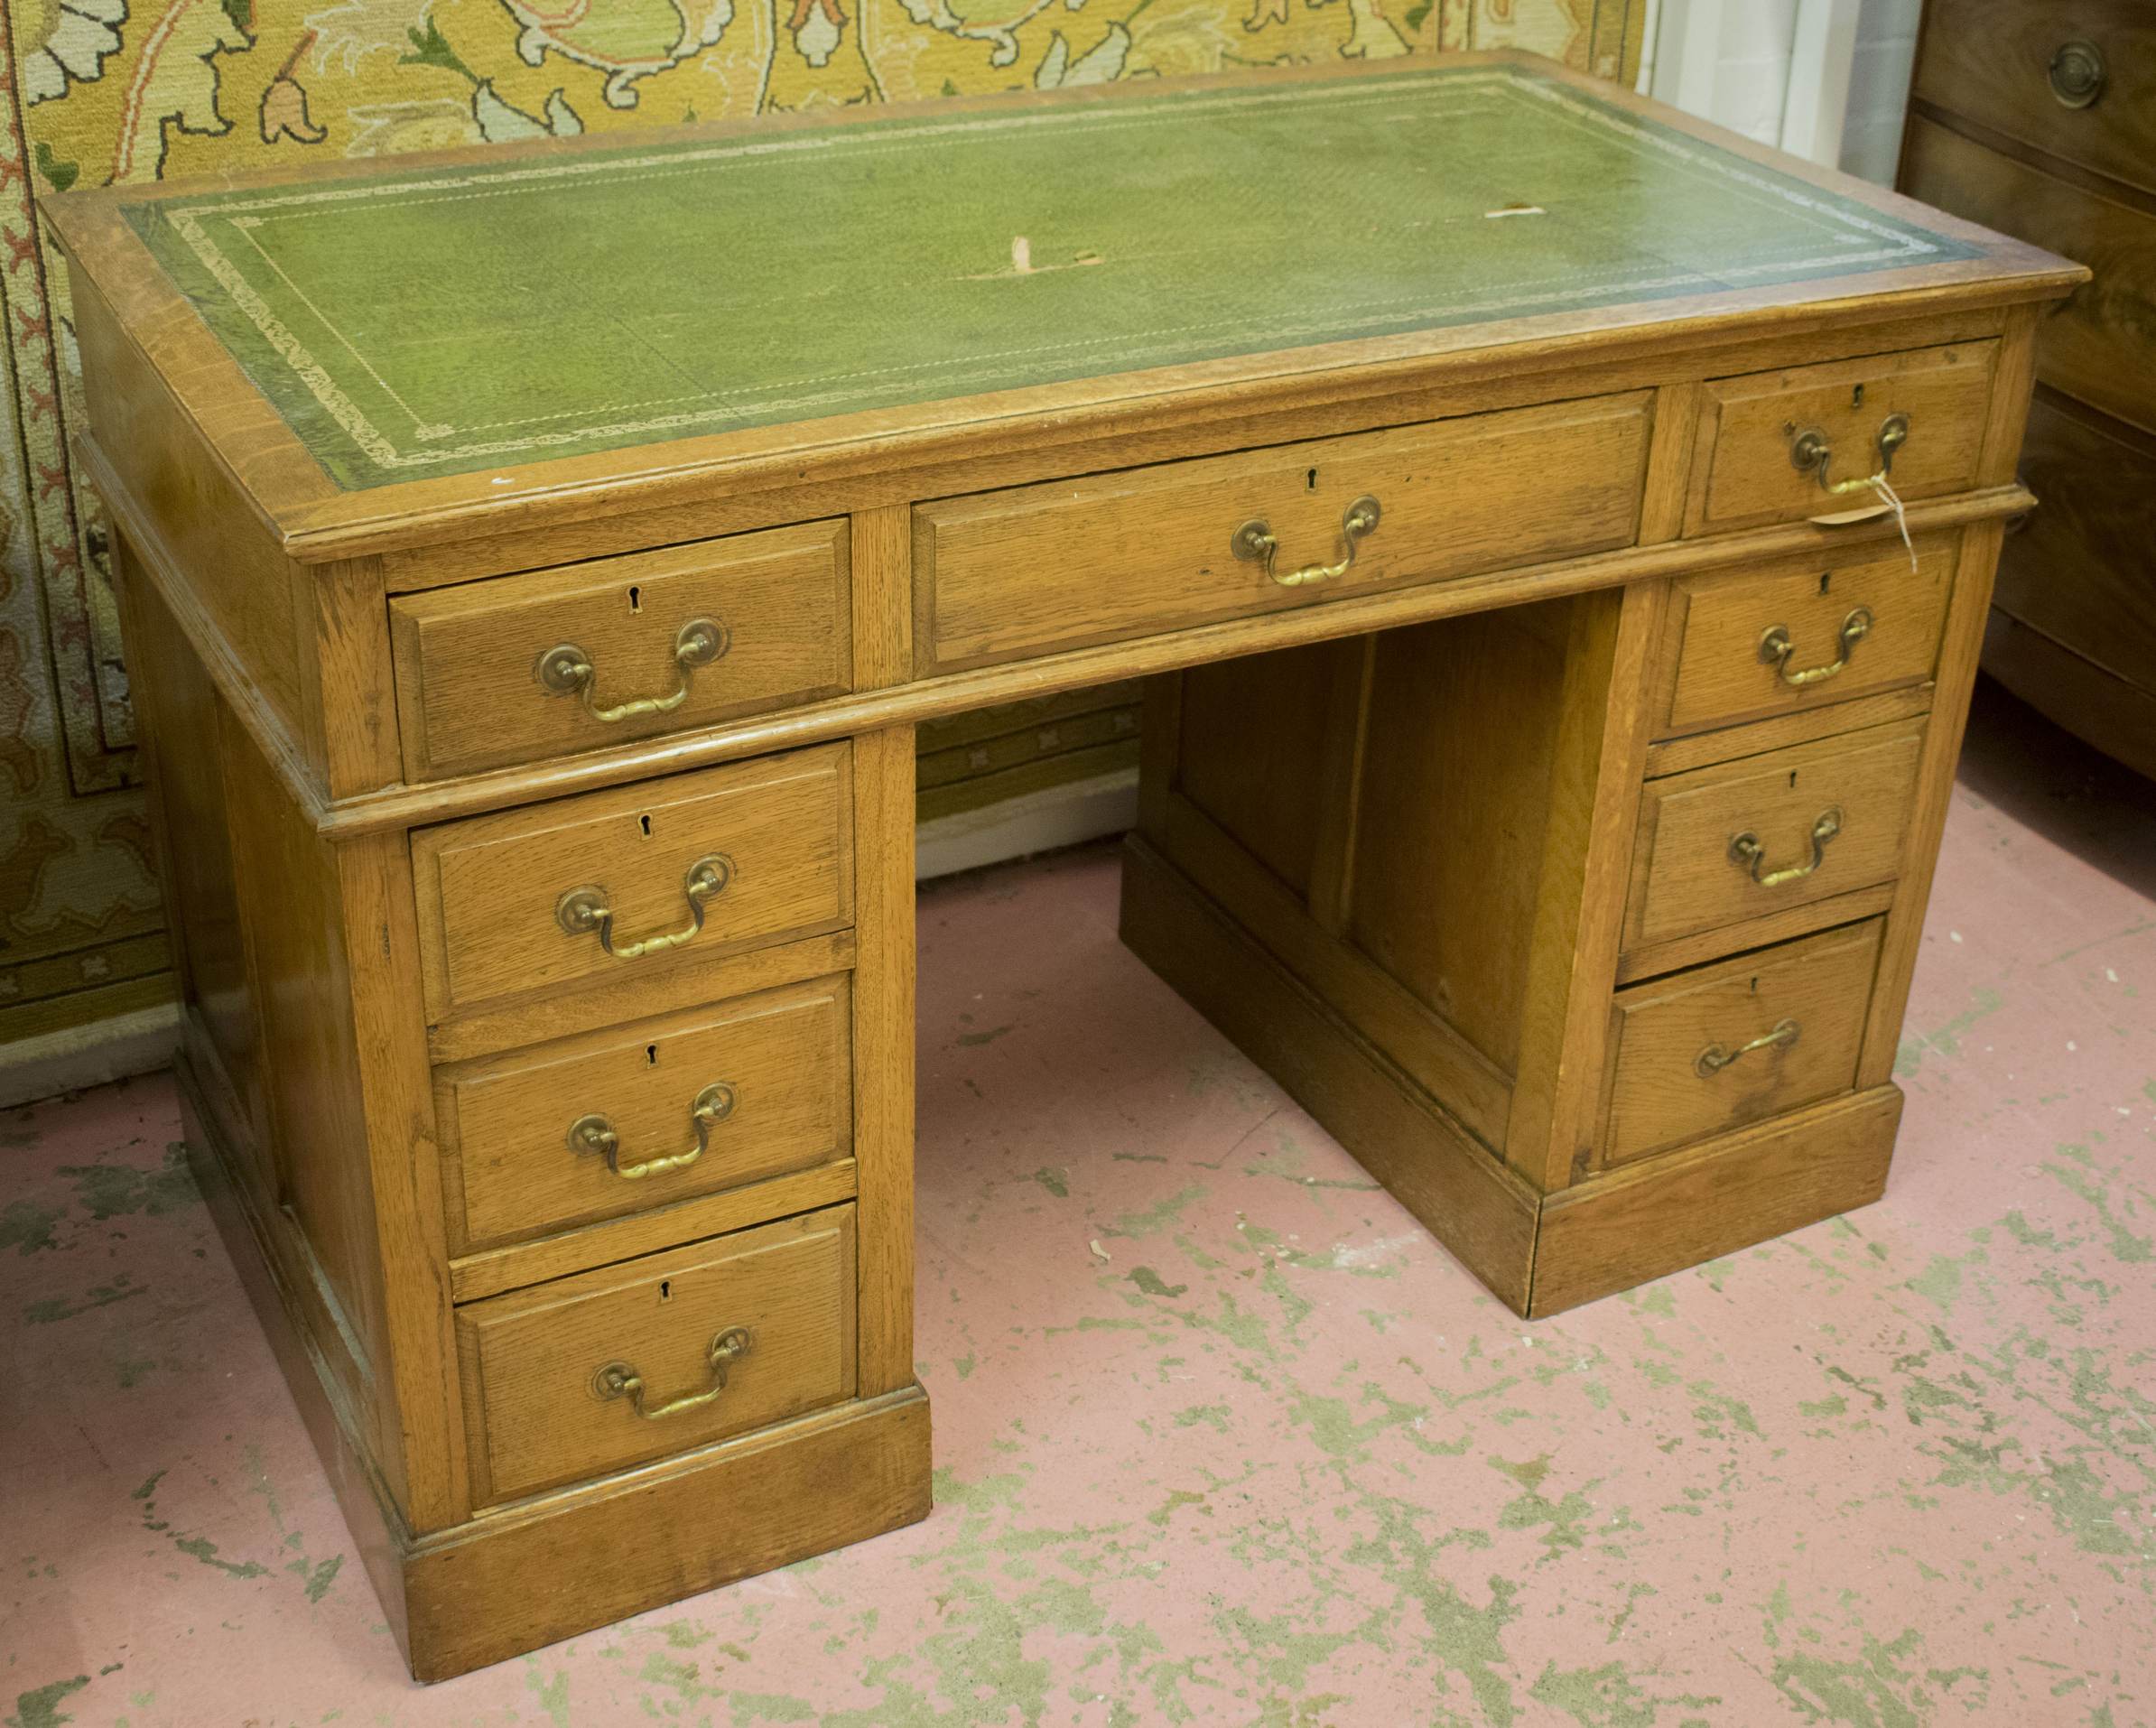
[449, 320]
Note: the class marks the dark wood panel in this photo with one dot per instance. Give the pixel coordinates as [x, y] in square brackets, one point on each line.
[181, 706]
[1253, 751]
[1464, 720]
[1990, 59]
[2082, 569]
[2117, 718]
[2099, 343]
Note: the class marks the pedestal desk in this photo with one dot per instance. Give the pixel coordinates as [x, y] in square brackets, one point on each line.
[536, 562]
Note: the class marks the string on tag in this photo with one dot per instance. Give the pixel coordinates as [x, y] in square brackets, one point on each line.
[1879, 483]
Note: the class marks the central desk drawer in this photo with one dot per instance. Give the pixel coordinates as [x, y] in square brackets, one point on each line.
[636, 878]
[1771, 832]
[1071, 562]
[517, 668]
[589, 1374]
[647, 1115]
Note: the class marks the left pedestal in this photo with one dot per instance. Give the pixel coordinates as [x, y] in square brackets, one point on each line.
[580, 1226]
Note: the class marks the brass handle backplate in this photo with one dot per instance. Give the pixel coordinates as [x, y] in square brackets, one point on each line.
[619, 1379]
[1256, 544]
[2078, 74]
[1714, 1058]
[1811, 451]
[582, 910]
[595, 1133]
[566, 670]
[1776, 647]
[1746, 850]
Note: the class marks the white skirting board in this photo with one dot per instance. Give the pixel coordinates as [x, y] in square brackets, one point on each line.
[1039, 821]
[88, 1055]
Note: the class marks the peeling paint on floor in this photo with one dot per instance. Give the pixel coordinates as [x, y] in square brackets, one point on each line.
[1222, 1436]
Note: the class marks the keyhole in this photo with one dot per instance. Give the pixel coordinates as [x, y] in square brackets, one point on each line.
[651, 1055]
[1792, 779]
[1826, 579]
[1755, 991]
[1310, 481]
[635, 598]
[666, 1289]
[644, 823]
[1856, 399]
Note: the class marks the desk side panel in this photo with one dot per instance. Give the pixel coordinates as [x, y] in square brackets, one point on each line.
[309, 1059]
[240, 586]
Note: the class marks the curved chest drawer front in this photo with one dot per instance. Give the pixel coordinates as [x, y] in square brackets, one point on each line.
[1775, 446]
[2097, 345]
[518, 668]
[1714, 1048]
[2074, 78]
[1802, 635]
[592, 1373]
[647, 1116]
[1773, 833]
[1071, 562]
[636, 878]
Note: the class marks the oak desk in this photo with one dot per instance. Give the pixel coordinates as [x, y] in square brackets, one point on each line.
[531, 656]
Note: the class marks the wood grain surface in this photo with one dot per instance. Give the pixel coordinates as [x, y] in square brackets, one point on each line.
[785, 1058]
[1658, 1097]
[529, 1358]
[1066, 564]
[468, 689]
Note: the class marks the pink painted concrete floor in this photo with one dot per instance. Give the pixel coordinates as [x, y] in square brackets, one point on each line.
[1274, 1458]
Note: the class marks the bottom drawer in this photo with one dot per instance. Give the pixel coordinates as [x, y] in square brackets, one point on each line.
[1721, 1046]
[589, 1374]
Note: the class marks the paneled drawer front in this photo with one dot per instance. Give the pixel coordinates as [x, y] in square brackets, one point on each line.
[522, 667]
[1769, 832]
[644, 1116]
[589, 1374]
[1801, 635]
[2098, 344]
[650, 876]
[1714, 1048]
[1077, 562]
[1756, 432]
[1994, 61]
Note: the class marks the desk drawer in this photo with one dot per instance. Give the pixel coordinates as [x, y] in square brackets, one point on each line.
[1076, 561]
[1801, 635]
[524, 668]
[1769, 832]
[592, 1373]
[645, 1116]
[1753, 430]
[1714, 1048]
[649, 876]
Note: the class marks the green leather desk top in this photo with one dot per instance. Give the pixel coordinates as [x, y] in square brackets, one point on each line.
[442, 319]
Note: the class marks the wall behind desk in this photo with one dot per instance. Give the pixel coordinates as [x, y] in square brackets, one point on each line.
[100, 90]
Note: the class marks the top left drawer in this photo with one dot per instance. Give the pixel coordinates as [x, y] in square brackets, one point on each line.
[519, 668]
